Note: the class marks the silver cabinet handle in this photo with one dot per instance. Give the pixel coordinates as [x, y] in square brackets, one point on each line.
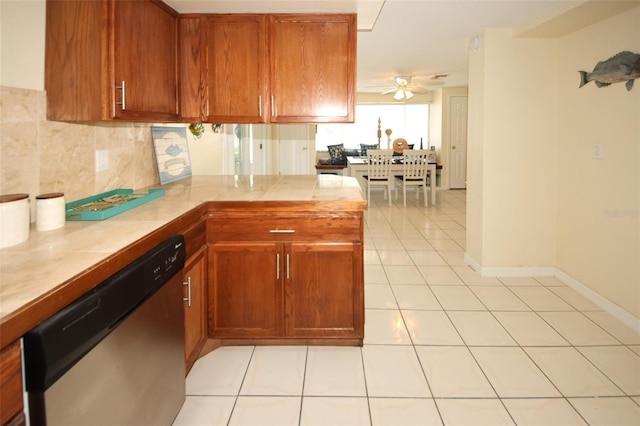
[124, 96]
[188, 298]
[287, 265]
[273, 105]
[260, 106]
[282, 231]
[277, 266]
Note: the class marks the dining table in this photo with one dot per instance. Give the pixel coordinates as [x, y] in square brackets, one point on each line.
[358, 166]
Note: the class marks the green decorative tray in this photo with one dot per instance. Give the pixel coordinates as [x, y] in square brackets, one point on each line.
[108, 204]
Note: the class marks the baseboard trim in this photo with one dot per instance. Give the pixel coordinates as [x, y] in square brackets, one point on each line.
[509, 272]
[608, 306]
[616, 311]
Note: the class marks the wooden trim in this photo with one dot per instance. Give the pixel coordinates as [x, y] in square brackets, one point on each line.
[10, 383]
[280, 341]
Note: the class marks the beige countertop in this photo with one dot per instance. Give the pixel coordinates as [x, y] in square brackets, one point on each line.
[31, 270]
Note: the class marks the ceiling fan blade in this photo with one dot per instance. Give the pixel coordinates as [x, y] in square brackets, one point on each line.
[386, 92]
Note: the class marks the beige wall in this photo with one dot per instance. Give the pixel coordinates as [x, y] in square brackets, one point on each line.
[22, 26]
[515, 188]
[536, 198]
[598, 206]
[475, 158]
[39, 156]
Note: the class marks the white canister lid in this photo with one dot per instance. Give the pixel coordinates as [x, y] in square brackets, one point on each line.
[49, 195]
[8, 198]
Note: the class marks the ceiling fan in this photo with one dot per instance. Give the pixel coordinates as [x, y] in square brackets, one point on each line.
[404, 90]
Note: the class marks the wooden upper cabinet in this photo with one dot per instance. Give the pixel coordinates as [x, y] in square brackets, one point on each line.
[145, 54]
[236, 69]
[268, 68]
[190, 68]
[92, 47]
[313, 68]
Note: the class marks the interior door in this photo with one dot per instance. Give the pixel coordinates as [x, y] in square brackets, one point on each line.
[458, 142]
[294, 149]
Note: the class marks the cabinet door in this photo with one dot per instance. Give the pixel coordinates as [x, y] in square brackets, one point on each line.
[195, 307]
[245, 290]
[190, 49]
[324, 295]
[236, 69]
[144, 55]
[313, 70]
[76, 66]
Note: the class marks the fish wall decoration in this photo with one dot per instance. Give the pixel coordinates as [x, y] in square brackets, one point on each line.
[623, 66]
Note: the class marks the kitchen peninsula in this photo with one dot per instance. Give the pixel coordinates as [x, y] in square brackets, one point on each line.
[313, 219]
[48, 263]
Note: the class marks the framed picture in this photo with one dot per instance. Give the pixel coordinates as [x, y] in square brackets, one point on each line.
[172, 153]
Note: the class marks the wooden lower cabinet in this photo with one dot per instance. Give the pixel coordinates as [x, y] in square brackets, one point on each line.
[322, 294]
[11, 386]
[278, 287]
[195, 305]
[246, 292]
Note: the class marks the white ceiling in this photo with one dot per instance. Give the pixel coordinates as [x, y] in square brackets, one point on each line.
[413, 37]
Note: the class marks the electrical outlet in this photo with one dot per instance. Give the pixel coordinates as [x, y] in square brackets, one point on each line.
[597, 151]
[102, 160]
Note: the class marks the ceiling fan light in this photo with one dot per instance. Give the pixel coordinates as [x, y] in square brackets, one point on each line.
[398, 95]
[408, 94]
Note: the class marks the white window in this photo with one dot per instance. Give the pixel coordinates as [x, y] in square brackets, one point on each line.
[410, 122]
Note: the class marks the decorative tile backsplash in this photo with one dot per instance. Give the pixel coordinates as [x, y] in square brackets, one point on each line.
[39, 156]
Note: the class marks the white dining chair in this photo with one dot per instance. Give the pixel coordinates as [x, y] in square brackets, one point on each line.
[379, 171]
[414, 173]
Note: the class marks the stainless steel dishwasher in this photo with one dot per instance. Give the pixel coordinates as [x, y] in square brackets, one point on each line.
[116, 355]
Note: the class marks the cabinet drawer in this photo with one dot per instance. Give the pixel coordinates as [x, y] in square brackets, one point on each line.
[338, 228]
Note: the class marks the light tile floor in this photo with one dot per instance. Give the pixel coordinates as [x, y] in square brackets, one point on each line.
[442, 346]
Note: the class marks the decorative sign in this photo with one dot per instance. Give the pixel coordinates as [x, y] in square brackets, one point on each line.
[172, 153]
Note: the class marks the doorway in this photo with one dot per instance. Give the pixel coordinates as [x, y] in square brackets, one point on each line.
[458, 142]
[294, 149]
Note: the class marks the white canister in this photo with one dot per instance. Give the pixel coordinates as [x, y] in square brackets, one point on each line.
[14, 219]
[50, 211]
